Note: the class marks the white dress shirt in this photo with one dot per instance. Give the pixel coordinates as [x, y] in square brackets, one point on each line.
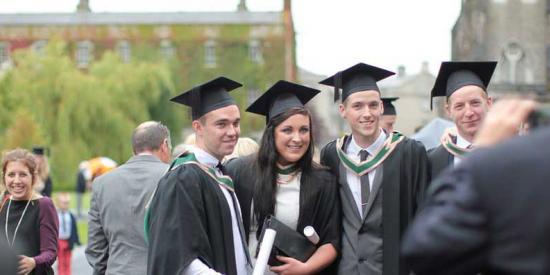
[287, 210]
[64, 224]
[197, 266]
[462, 143]
[354, 181]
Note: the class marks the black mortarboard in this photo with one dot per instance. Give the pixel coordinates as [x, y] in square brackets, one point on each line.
[208, 97]
[40, 151]
[455, 75]
[389, 109]
[281, 97]
[360, 77]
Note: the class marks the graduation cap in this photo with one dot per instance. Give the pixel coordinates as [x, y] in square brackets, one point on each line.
[455, 75]
[389, 109]
[208, 96]
[282, 96]
[360, 77]
[40, 151]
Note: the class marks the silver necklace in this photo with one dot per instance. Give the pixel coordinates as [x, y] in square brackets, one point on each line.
[18, 224]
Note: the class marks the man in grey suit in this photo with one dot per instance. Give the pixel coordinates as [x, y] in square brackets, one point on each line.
[382, 176]
[116, 243]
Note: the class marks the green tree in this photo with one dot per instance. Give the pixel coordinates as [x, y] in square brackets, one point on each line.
[79, 114]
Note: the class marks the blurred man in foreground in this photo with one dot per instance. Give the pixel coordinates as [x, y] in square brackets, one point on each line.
[490, 214]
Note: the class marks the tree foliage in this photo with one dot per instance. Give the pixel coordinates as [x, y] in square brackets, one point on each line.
[81, 114]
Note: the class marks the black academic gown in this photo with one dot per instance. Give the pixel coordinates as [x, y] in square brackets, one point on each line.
[405, 179]
[490, 214]
[440, 159]
[189, 219]
[319, 200]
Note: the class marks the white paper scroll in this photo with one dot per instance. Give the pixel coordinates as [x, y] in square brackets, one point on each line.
[265, 251]
[311, 235]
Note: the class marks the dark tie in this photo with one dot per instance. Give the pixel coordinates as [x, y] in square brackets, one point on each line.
[365, 185]
[221, 168]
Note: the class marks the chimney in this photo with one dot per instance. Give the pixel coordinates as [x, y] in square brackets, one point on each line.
[83, 6]
[290, 59]
[242, 6]
[401, 71]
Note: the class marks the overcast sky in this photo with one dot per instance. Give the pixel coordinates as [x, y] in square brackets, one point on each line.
[331, 35]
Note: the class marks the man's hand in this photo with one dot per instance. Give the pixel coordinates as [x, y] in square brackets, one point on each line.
[503, 121]
[26, 265]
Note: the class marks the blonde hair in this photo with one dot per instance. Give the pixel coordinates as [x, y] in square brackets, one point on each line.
[245, 146]
[190, 139]
[43, 168]
[62, 196]
[23, 156]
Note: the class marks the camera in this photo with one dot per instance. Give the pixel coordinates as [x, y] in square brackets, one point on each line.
[541, 116]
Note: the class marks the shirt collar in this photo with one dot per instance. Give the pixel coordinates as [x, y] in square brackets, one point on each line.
[204, 157]
[354, 148]
[462, 142]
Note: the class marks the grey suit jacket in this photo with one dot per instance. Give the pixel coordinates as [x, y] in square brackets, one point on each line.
[116, 243]
[362, 236]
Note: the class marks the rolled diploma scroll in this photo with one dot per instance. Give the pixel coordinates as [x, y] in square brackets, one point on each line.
[311, 235]
[265, 251]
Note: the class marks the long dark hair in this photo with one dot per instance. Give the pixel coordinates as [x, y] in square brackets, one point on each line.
[265, 185]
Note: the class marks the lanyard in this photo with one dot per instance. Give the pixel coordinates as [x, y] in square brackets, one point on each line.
[18, 224]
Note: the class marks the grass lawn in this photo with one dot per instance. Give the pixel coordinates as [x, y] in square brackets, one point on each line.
[82, 224]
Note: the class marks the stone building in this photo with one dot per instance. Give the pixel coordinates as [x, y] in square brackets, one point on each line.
[413, 106]
[255, 48]
[512, 32]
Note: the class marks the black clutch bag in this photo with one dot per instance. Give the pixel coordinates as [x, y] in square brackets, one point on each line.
[288, 242]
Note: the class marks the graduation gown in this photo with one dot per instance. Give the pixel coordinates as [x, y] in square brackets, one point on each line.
[403, 178]
[440, 159]
[319, 200]
[189, 219]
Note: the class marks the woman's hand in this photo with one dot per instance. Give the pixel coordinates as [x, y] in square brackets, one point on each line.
[291, 266]
[26, 264]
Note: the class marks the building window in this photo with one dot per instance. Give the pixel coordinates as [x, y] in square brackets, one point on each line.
[39, 46]
[210, 53]
[167, 49]
[4, 52]
[83, 53]
[124, 51]
[255, 51]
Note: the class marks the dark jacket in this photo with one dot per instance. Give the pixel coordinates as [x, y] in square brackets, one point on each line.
[74, 239]
[489, 214]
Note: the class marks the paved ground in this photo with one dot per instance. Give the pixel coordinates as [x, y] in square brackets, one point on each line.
[79, 265]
